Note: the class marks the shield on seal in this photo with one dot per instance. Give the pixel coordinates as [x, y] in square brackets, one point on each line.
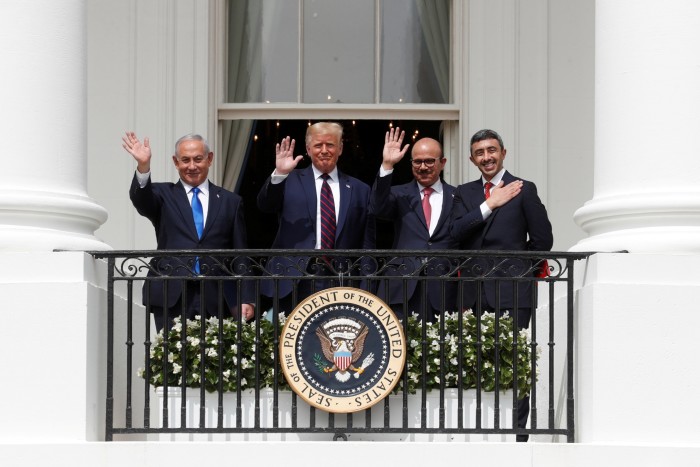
[342, 359]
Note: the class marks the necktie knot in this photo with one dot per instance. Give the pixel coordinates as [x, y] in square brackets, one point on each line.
[427, 191]
[325, 176]
[487, 189]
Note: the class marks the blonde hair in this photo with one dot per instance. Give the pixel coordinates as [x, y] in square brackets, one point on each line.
[322, 128]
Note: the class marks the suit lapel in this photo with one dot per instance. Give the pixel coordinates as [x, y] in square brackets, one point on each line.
[475, 195]
[416, 205]
[213, 209]
[183, 205]
[345, 189]
[447, 197]
[308, 184]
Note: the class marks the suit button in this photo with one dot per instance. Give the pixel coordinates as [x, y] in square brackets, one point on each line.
[430, 243]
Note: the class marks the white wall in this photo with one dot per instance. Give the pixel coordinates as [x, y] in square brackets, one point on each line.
[148, 71]
[530, 77]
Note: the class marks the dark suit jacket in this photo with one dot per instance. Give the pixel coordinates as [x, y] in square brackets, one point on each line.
[521, 224]
[167, 207]
[294, 202]
[402, 205]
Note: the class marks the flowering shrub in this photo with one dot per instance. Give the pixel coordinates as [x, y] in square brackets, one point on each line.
[240, 354]
[234, 347]
[495, 347]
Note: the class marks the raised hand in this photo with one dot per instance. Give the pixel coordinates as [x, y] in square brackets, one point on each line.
[392, 148]
[140, 151]
[285, 161]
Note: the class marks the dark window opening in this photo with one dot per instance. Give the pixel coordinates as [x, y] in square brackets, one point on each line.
[363, 141]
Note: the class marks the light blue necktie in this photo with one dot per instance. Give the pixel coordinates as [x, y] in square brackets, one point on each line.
[198, 214]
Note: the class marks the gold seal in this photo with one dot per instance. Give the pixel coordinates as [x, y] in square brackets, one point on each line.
[342, 350]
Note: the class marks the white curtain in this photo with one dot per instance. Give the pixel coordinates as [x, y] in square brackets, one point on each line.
[244, 82]
[435, 22]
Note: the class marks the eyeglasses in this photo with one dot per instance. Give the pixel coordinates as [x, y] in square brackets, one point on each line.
[428, 162]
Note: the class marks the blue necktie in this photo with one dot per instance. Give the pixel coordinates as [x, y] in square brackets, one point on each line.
[198, 214]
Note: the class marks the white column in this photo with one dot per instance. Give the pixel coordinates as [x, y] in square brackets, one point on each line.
[43, 197]
[647, 118]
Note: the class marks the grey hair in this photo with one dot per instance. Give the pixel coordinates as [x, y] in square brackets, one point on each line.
[486, 134]
[192, 137]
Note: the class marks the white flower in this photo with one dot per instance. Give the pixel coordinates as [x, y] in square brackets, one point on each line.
[178, 345]
[244, 363]
[211, 352]
[176, 368]
[193, 341]
[171, 357]
[213, 321]
[414, 343]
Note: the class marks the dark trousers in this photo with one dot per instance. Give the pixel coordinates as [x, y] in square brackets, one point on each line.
[192, 307]
[522, 317]
[416, 304]
[320, 277]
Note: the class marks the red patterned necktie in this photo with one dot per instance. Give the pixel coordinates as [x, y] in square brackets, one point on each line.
[487, 189]
[427, 210]
[327, 215]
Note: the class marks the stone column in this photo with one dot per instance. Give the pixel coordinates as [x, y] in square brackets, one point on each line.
[635, 322]
[43, 197]
[52, 304]
[647, 117]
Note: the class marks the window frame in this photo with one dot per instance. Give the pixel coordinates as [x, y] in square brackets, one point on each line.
[451, 115]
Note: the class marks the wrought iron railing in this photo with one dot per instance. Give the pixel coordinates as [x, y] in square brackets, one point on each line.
[223, 376]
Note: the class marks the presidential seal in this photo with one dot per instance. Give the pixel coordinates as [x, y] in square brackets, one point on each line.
[342, 350]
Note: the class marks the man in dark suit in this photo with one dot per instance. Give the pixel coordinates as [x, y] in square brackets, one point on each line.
[500, 212]
[304, 211]
[420, 211]
[190, 214]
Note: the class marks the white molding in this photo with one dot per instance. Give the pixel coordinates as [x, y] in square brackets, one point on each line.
[346, 111]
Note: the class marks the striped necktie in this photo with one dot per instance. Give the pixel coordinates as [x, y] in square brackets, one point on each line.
[327, 215]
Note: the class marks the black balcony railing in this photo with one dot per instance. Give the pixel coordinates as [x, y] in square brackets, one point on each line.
[219, 375]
